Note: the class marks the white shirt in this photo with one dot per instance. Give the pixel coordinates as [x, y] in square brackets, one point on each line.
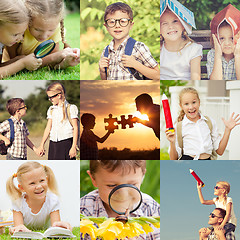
[1, 48]
[197, 138]
[219, 204]
[40, 220]
[176, 65]
[61, 129]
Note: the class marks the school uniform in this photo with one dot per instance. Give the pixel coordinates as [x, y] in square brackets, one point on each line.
[61, 134]
[197, 137]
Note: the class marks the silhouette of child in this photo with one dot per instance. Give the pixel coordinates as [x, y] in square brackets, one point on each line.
[88, 140]
[145, 105]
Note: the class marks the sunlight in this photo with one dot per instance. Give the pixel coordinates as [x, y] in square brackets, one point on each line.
[141, 116]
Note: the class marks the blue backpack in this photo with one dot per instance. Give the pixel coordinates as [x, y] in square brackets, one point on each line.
[128, 51]
[3, 147]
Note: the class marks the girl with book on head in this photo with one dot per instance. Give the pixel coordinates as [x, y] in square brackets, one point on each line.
[62, 125]
[35, 200]
[14, 20]
[196, 136]
[180, 57]
[47, 22]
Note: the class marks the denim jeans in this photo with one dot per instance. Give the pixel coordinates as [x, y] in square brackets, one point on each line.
[10, 157]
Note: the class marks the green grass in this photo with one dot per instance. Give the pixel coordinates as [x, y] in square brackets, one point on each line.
[72, 26]
[76, 232]
[164, 154]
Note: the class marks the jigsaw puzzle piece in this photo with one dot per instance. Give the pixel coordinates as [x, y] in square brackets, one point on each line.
[111, 123]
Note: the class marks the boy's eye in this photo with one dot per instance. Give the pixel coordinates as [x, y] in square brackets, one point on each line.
[112, 186]
[175, 21]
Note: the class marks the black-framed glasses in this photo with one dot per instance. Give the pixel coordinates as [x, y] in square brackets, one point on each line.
[123, 22]
[53, 96]
[217, 187]
[25, 107]
[213, 215]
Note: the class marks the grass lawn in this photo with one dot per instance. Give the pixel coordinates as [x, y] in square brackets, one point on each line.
[72, 26]
[76, 232]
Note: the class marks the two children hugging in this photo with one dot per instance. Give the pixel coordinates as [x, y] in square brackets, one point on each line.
[196, 136]
[33, 22]
[116, 64]
[35, 204]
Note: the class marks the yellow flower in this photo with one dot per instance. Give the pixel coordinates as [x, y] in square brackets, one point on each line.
[147, 228]
[157, 224]
[87, 226]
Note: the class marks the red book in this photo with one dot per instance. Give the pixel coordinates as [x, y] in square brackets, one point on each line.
[167, 112]
[197, 177]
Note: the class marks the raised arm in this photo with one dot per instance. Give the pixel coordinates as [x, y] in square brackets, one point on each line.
[202, 200]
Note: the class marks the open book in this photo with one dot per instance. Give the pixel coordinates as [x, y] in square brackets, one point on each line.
[6, 223]
[52, 232]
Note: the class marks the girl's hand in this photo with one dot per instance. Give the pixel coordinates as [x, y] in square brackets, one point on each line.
[72, 152]
[217, 46]
[232, 121]
[103, 62]
[199, 186]
[71, 57]
[171, 136]
[6, 142]
[19, 228]
[237, 49]
[32, 63]
[62, 225]
[128, 61]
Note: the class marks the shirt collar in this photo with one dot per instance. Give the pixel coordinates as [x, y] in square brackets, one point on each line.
[123, 44]
[20, 121]
[56, 106]
[187, 121]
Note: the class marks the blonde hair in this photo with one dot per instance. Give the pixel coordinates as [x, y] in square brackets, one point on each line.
[48, 9]
[183, 91]
[57, 87]
[13, 11]
[226, 187]
[15, 193]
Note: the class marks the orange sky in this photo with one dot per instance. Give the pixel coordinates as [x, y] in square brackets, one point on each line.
[103, 97]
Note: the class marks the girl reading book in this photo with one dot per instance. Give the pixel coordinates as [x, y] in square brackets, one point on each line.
[35, 202]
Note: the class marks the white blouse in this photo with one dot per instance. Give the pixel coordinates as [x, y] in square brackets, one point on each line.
[61, 130]
[40, 220]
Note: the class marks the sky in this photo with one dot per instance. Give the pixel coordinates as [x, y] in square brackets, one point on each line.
[21, 88]
[118, 98]
[182, 214]
[68, 187]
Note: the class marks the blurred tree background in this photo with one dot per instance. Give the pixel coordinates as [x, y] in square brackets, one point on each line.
[205, 10]
[94, 37]
[150, 185]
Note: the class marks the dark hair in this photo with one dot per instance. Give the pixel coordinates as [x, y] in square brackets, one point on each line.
[13, 105]
[144, 99]
[222, 212]
[123, 165]
[86, 117]
[118, 6]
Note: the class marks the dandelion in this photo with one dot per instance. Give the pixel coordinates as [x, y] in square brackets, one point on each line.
[87, 226]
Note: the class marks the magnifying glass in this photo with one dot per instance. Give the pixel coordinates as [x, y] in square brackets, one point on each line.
[44, 48]
[124, 199]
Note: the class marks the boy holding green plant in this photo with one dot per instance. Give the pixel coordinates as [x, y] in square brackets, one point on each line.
[107, 174]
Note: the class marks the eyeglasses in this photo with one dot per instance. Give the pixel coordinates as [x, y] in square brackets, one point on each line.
[53, 96]
[217, 187]
[213, 215]
[123, 22]
[25, 107]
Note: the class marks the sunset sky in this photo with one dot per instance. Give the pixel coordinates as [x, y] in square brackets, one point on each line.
[118, 98]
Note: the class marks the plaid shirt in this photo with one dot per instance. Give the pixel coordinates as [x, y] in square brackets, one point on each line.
[116, 70]
[18, 149]
[229, 236]
[92, 205]
[228, 68]
[88, 145]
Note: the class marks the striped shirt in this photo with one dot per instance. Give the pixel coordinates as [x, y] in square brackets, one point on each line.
[92, 205]
[228, 68]
[116, 70]
[18, 149]
[229, 236]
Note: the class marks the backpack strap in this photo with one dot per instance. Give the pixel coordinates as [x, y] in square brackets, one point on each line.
[106, 53]
[11, 129]
[179, 135]
[209, 123]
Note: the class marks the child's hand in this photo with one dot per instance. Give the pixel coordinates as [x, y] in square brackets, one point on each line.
[237, 49]
[6, 141]
[62, 225]
[32, 63]
[19, 228]
[103, 62]
[217, 46]
[199, 186]
[232, 121]
[111, 131]
[71, 57]
[171, 136]
[72, 152]
[128, 61]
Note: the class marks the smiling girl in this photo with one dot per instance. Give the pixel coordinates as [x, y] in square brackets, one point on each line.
[35, 203]
[199, 134]
[179, 57]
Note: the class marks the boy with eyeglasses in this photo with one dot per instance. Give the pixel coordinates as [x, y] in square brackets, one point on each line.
[17, 149]
[124, 58]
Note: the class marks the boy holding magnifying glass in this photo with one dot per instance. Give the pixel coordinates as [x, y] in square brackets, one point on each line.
[106, 175]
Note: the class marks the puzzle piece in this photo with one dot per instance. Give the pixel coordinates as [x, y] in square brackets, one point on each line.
[111, 126]
[128, 121]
